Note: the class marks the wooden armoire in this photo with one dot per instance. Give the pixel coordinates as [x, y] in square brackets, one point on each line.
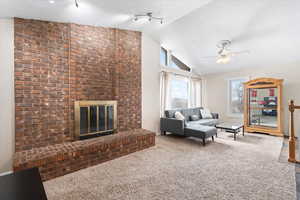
[263, 110]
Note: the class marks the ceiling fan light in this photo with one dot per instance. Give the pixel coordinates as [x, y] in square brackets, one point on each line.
[226, 59]
[219, 61]
[223, 60]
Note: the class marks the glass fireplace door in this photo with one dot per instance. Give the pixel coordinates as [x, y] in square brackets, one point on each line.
[95, 117]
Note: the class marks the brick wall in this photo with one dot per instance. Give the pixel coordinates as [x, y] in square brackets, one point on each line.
[41, 83]
[59, 63]
[128, 55]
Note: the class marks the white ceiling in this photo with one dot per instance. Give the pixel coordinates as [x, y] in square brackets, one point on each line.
[269, 29]
[108, 13]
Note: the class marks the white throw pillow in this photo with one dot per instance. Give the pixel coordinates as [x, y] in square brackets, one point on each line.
[206, 114]
[179, 116]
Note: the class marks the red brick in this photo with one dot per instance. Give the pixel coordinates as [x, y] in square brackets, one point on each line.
[60, 159]
[59, 63]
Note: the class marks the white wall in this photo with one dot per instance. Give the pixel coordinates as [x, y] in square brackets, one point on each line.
[216, 89]
[150, 84]
[7, 94]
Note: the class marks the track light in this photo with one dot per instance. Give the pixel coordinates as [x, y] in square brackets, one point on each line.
[149, 16]
[76, 4]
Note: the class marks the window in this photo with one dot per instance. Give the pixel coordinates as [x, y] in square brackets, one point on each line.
[179, 92]
[168, 60]
[177, 64]
[163, 57]
[236, 94]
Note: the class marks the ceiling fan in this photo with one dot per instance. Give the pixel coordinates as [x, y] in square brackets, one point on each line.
[224, 53]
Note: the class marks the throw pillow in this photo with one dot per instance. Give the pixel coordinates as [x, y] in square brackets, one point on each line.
[194, 117]
[179, 116]
[206, 114]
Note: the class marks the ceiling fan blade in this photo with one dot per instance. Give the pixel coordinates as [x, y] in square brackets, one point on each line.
[208, 57]
[239, 52]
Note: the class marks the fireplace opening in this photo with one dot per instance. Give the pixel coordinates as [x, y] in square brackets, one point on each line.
[95, 118]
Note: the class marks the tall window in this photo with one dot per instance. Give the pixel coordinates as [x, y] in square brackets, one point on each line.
[236, 94]
[163, 57]
[179, 92]
[169, 60]
[177, 64]
[178, 88]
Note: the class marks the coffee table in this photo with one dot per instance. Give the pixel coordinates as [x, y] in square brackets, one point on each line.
[232, 127]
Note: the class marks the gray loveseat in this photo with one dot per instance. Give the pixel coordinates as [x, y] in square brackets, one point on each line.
[201, 128]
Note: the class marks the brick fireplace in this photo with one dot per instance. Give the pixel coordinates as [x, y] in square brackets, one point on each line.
[57, 64]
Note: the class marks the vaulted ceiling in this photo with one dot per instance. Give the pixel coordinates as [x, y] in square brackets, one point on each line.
[267, 28]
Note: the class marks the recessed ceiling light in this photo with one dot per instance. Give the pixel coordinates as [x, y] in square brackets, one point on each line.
[51, 1]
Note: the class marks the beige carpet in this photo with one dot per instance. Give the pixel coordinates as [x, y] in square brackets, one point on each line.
[181, 168]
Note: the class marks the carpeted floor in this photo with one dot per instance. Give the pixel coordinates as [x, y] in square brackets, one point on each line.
[181, 168]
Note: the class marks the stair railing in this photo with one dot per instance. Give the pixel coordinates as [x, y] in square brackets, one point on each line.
[292, 139]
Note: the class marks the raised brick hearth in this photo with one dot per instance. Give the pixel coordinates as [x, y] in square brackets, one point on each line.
[60, 159]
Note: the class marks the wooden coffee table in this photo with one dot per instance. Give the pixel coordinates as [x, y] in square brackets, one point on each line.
[232, 127]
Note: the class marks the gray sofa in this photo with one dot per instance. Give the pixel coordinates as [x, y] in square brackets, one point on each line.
[201, 128]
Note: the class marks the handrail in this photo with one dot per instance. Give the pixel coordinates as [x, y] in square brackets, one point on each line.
[292, 140]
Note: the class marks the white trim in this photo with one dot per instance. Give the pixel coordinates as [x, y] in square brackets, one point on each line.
[228, 113]
[7, 114]
[6, 173]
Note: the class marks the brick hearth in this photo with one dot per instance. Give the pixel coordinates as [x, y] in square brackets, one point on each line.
[60, 159]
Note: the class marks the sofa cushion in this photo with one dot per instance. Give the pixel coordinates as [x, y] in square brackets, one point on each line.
[206, 114]
[200, 116]
[179, 116]
[170, 113]
[194, 118]
[205, 122]
[186, 112]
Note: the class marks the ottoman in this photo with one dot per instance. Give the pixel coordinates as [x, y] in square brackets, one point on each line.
[201, 131]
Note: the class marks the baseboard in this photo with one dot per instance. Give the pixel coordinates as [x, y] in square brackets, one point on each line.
[6, 173]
